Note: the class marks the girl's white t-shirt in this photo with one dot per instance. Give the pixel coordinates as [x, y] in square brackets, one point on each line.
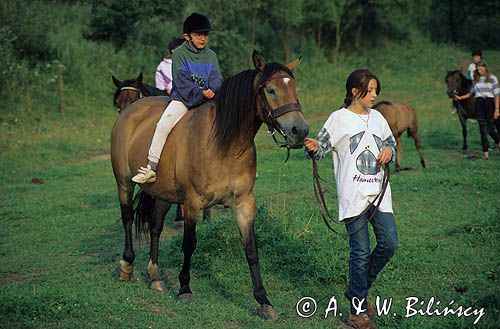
[357, 141]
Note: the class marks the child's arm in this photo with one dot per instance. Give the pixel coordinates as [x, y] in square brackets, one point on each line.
[215, 77]
[459, 98]
[320, 146]
[388, 152]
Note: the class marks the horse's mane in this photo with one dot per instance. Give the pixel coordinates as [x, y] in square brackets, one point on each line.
[235, 101]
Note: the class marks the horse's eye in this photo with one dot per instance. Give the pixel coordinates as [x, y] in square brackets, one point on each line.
[270, 91]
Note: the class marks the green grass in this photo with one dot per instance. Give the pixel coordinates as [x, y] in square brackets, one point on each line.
[60, 241]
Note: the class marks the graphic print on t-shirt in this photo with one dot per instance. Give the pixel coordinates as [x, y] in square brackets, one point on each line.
[366, 162]
[354, 141]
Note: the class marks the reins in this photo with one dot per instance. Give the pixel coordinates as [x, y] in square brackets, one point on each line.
[323, 209]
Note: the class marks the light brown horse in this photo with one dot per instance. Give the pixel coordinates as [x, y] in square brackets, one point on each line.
[401, 118]
[209, 158]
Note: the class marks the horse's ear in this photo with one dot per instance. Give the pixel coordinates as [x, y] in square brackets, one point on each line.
[116, 81]
[139, 78]
[293, 65]
[258, 61]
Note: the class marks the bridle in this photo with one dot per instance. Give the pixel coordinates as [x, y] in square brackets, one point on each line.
[323, 209]
[134, 89]
[269, 115]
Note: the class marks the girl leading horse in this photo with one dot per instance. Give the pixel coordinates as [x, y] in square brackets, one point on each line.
[219, 167]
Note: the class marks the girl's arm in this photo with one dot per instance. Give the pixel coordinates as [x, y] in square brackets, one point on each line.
[215, 77]
[319, 146]
[459, 98]
[388, 152]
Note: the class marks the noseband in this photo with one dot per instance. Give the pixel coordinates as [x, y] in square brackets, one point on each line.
[269, 115]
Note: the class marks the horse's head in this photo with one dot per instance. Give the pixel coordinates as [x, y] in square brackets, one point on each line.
[127, 91]
[278, 105]
[456, 83]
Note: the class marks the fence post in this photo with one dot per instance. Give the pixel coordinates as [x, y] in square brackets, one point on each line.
[61, 89]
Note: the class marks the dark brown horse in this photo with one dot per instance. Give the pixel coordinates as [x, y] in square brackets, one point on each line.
[128, 91]
[401, 118]
[457, 84]
[211, 160]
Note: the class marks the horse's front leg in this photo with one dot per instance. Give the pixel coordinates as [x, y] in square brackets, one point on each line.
[161, 209]
[188, 247]
[463, 122]
[245, 213]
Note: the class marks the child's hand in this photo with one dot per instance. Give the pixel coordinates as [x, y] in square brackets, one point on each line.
[385, 155]
[208, 94]
[311, 145]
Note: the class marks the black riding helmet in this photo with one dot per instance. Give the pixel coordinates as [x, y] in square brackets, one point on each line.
[196, 23]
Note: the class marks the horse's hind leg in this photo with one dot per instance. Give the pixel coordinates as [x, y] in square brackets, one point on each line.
[126, 268]
[399, 153]
[414, 133]
[245, 213]
[161, 209]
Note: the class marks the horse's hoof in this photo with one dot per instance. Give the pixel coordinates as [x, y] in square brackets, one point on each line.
[186, 298]
[267, 312]
[125, 270]
[157, 285]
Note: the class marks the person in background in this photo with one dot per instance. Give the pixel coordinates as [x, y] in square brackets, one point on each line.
[163, 75]
[477, 56]
[486, 90]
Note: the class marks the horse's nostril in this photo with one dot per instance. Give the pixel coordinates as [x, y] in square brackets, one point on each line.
[294, 130]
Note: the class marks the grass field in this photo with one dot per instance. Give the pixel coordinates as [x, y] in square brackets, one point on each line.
[60, 241]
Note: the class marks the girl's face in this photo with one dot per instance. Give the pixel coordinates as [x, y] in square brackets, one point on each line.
[481, 70]
[370, 96]
[199, 39]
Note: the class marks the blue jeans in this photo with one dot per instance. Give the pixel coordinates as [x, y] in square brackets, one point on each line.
[363, 265]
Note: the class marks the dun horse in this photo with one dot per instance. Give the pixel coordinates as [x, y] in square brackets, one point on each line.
[128, 91]
[401, 118]
[457, 84]
[212, 160]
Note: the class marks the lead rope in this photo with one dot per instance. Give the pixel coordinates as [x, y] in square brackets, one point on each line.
[323, 209]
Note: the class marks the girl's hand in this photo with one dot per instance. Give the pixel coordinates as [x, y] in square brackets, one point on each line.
[208, 94]
[496, 114]
[311, 145]
[456, 97]
[385, 155]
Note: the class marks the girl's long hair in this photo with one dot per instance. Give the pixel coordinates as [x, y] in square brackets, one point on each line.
[476, 72]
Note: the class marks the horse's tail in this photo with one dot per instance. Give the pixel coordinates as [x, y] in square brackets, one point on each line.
[144, 205]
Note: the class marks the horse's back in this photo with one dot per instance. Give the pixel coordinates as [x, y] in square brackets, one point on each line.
[400, 117]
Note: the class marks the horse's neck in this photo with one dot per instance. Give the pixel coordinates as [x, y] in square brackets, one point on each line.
[148, 90]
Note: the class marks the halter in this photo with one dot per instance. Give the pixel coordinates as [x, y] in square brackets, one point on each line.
[134, 89]
[269, 115]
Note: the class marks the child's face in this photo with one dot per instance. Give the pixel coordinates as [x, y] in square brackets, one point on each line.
[371, 95]
[476, 58]
[199, 39]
